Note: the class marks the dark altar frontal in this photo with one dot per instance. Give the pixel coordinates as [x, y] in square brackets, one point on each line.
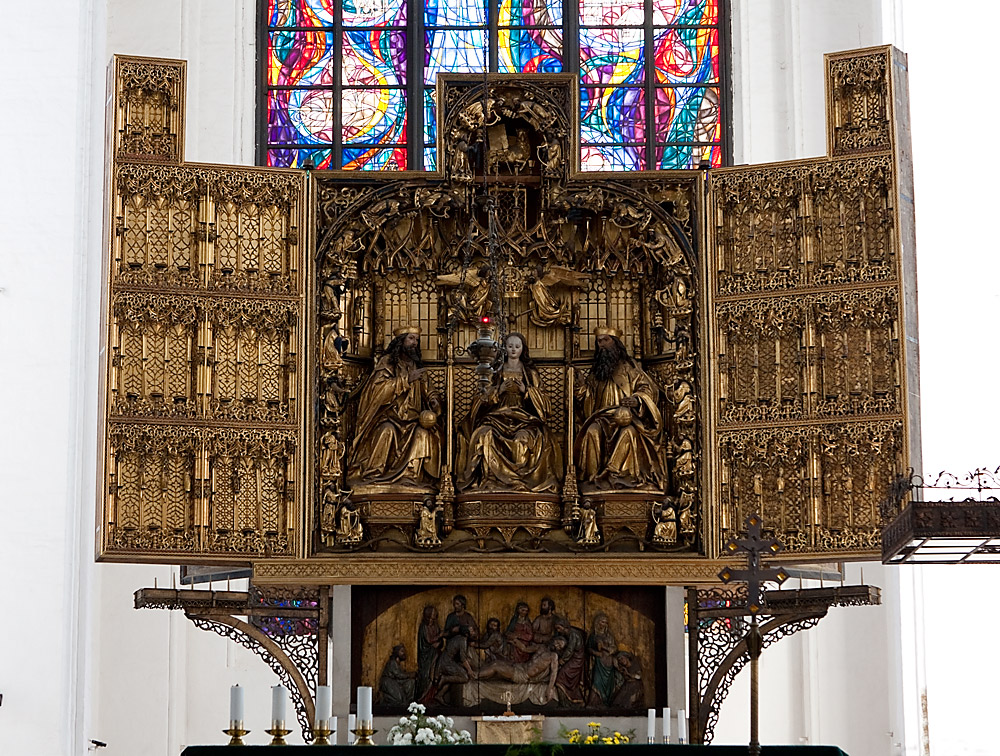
[544, 749]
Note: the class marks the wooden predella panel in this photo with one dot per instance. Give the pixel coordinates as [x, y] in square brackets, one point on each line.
[556, 649]
[203, 310]
[812, 325]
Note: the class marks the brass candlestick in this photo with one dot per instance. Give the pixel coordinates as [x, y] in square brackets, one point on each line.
[236, 733]
[364, 732]
[277, 733]
[321, 735]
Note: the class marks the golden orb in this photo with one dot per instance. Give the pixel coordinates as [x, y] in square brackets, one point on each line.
[428, 419]
[623, 416]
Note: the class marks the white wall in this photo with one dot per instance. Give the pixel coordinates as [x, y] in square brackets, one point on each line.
[51, 171]
[79, 662]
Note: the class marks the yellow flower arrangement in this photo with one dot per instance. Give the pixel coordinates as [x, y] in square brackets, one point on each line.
[597, 735]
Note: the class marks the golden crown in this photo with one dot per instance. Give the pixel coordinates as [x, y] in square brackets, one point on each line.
[403, 330]
[607, 331]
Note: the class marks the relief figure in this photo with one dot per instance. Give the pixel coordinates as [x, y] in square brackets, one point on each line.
[397, 439]
[520, 634]
[619, 439]
[504, 443]
[602, 647]
[572, 674]
[396, 685]
[430, 642]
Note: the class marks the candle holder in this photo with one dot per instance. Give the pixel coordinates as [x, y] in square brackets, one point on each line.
[236, 733]
[650, 741]
[277, 733]
[364, 733]
[321, 735]
[666, 740]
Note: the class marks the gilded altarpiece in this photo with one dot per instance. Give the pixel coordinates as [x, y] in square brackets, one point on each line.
[204, 316]
[506, 368]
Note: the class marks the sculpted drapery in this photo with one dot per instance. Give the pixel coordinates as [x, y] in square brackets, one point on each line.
[617, 445]
[504, 442]
[398, 439]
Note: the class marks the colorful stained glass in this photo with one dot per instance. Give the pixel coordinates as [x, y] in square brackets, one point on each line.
[612, 158]
[686, 12]
[529, 50]
[686, 56]
[291, 13]
[611, 56]
[366, 125]
[300, 58]
[454, 51]
[374, 159]
[530, 13]
[374, 13]
[430, 117]
[374, 58]
[291, 158]
[612, 13]
[681, 157]
[687, 114]
[300, 116]
[455, 13]
[612, 114]
[374, 116]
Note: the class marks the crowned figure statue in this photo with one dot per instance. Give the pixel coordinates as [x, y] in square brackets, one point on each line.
[620, 436]
[397, 441]
[504, 442]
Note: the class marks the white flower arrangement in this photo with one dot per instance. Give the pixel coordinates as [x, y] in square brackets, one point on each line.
[419, 729]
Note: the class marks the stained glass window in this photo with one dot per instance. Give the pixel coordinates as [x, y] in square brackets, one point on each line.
[350, 83]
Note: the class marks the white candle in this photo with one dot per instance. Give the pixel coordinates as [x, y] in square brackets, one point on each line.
[235, 704]
[365, 705]
[666, 724]
[279, 697]
[324, 706]
[351, 727]
[651, 725]
[682, 726]
[333, 733]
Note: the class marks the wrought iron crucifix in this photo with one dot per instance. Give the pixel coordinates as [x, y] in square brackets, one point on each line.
[755, 574]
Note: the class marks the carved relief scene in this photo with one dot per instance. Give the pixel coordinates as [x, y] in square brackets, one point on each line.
[507, 356]
[550, 650]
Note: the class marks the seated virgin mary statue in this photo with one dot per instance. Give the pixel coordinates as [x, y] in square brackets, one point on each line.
[504, 442]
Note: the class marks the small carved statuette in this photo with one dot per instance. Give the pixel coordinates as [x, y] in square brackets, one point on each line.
[349, 528]
[588, 535]
[426, 535]
[664, 524]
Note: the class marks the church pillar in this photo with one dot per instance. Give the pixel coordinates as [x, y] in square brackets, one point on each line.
[676, 640]
[340, 666]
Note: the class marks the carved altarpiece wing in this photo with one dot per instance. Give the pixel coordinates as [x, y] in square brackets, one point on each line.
[769, 306]
[204, 321]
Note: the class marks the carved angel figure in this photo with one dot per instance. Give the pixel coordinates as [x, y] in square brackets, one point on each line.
[551, 301]
[468, 297]
[504, 443]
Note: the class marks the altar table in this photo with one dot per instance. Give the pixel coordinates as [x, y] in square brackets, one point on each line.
[525, 750]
